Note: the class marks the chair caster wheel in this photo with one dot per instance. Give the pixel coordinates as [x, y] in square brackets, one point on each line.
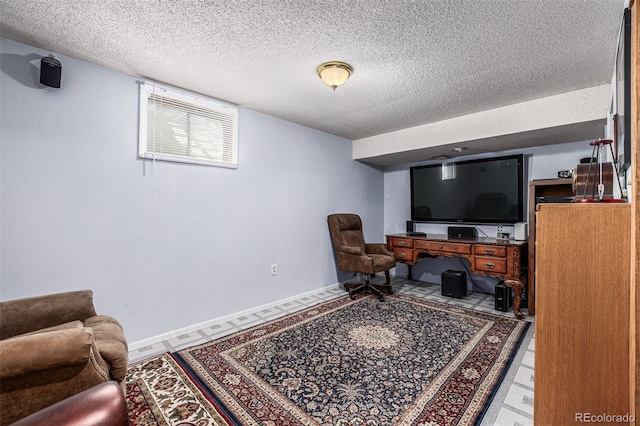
[352, 296]
[381, 298]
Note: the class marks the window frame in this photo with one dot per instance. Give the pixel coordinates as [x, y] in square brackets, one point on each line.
[145, 152]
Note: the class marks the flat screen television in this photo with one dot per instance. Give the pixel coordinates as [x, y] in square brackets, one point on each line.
[488, 190]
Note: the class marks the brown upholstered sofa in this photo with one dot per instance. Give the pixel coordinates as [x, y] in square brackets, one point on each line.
[53, 347]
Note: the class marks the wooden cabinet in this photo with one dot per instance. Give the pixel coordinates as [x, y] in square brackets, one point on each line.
[541, 188]
[635, 201]
[582, 349]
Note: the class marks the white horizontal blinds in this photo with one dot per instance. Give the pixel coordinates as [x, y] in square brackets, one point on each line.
[188, 129]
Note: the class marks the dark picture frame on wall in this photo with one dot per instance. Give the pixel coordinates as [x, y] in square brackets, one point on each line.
[623, 93]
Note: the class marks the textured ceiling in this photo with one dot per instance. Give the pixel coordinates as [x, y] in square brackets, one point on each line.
[414, 62]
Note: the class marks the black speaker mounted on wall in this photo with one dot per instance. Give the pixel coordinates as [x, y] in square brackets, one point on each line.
[50, 71]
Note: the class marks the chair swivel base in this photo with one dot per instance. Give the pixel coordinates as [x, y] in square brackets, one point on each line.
[375, 289]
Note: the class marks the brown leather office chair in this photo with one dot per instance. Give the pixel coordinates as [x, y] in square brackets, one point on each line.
[354, 255]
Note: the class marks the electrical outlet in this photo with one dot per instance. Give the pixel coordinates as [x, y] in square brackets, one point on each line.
[274, 269]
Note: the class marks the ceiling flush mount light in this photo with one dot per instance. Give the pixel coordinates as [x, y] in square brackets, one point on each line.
[334, 73]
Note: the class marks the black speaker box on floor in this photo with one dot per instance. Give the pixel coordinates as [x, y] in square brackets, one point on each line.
[454, 283]
[461, 231]
[502, 297]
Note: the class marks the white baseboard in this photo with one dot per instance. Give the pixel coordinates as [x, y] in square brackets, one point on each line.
[179, 332]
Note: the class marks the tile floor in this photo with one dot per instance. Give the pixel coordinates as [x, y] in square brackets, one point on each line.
[512, 404]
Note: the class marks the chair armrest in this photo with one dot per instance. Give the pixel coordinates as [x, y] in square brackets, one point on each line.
[101, 405]
[45, 351]
[34, 313]
[352, 250]
[378, 248]
[359, 262]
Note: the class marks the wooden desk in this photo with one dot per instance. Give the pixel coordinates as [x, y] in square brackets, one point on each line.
[486, 256]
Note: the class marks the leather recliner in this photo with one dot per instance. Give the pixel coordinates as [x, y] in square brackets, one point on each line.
[53, 347]
[101, 405]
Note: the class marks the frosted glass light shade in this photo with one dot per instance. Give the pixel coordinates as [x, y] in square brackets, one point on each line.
[334, 74]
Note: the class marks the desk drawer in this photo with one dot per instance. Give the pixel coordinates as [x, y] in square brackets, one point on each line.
[401, 242]
[403, 255]
[487, 250]
[444, 246]
[490, 264]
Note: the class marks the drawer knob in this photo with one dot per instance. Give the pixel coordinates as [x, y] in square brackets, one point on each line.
[402, 255]
[403, 243]
[489, 251]
[441, 247]
[490, 265]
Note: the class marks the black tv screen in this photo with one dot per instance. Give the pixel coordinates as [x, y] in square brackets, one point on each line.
[488, 190]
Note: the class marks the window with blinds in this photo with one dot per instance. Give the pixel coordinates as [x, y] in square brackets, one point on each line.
[185, 128]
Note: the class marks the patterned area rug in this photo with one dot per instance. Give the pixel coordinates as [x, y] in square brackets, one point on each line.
[404, 361]
[160, 392]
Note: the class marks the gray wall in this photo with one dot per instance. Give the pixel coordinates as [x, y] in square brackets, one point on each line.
[171, 248]
[180, 245]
